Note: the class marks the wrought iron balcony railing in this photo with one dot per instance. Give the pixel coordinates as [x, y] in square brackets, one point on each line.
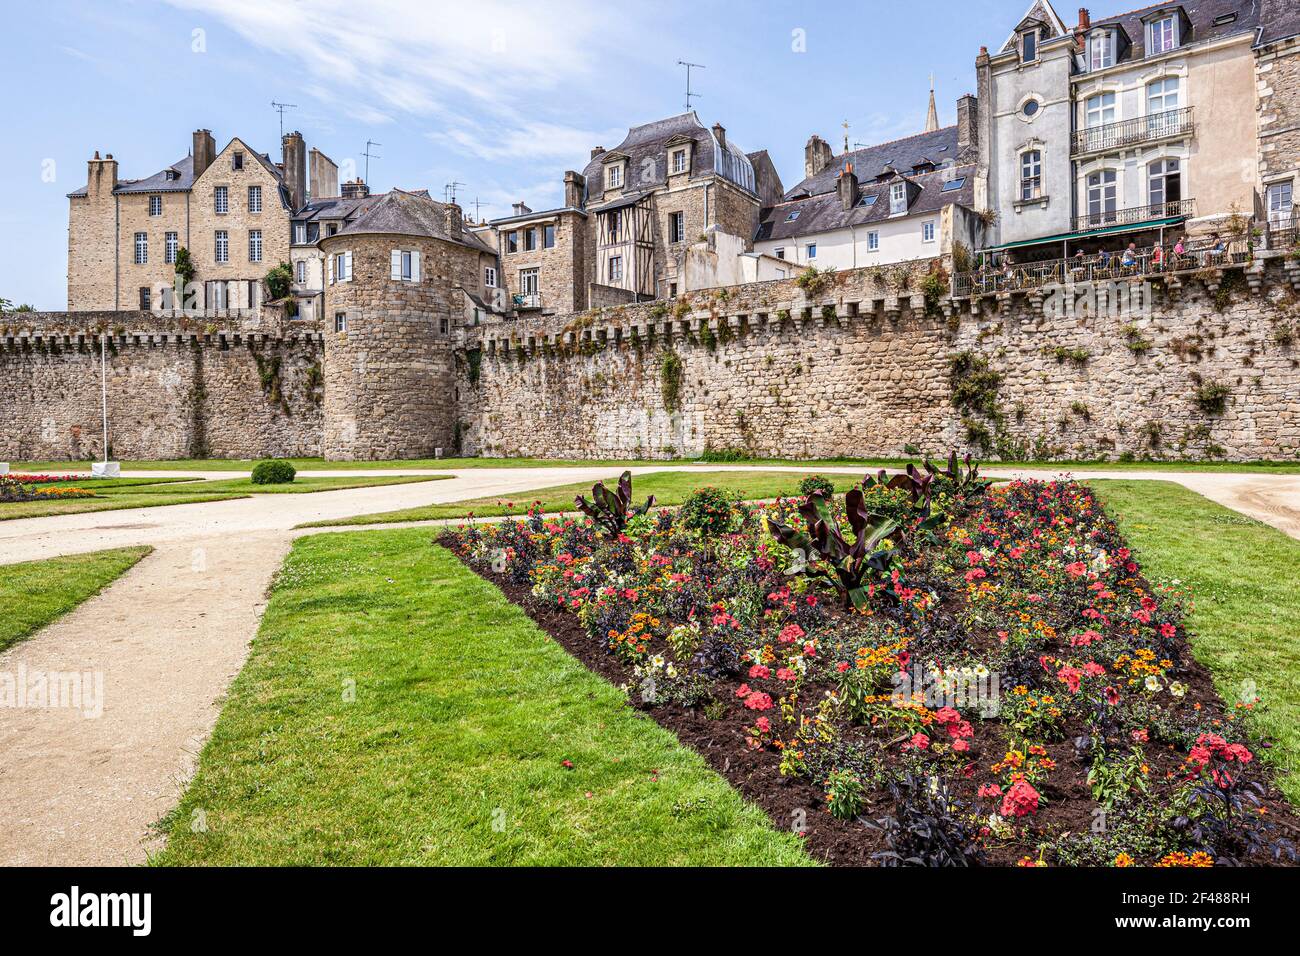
[1133, 132]
[1102, 219]
[528, 300]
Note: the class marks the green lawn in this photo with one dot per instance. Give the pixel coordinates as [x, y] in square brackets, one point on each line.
[453, 750]
[668, 487]
[1245, 579]
[319, 464]
[34, 593]
[113, 501]
[299, 486]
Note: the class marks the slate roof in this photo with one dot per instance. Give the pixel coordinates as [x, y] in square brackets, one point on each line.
[335, 207]
[646, 147]
[158, 182]
[823, 211]
[938, 147]
[1202, 14]
[402, 213]
[1278, 20]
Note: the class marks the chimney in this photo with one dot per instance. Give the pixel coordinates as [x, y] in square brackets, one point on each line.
[357, 189]
[573, 188]
[455, 218]
[1085, 19]
[324, 175]
[817, 156]
[520, 209]
[968, 135]
[720, 134]
[847, 186]
[205, 151]
[596, 151]
[294, 151]
[101, 175]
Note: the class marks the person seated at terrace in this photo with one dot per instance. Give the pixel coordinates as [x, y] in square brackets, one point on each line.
[1158, 258]
[1129, 259]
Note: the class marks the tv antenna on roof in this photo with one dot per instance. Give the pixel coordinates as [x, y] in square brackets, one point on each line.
[477, 206]
[369, 156]
[689, 67]
[280, 108]
[449, 191]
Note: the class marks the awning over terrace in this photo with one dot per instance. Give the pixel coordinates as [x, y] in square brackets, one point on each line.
[1089, 234]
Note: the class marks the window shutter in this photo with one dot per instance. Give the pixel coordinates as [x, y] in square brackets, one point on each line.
[395, 264]
[348, 263]
[415, 266]
[330, 259]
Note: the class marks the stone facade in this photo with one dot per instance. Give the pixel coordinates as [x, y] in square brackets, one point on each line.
[1277, 78]
[176, 388]
[863, 368]
[559, 275]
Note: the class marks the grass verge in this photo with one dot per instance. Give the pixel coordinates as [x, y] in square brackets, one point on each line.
[34, 593]
[668, 487]
[299, 486]
[1245, 579]
[104, 502]
[453, 750]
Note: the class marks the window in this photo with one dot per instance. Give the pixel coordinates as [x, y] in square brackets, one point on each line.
[254, 198]
[676, 226]
[144, 298]
[1101, 50]
[237, 160]
[548, 237]
[1279, 202]
[1031, 174]
[811, 250]
[1030, 109]
[672, 290]
[300, 233]
[340, 321]
[679, 161]
[444, 325]
[255, 245]
[793, 216]
[155, 205]
[512, 242]
[490, 277]
[1100, 110]
[300, 271]
[953, 184]
[779, 252]
[529, 281]
[1165, 182]
[615, 268]
[614, 223]
[1101, 197]
[613, 177]
[141, 248]
[405, 265]
[530, 240]
[897, 199]
[332, 229]
[1162, 35]
[868, 200]
[222, 246]
[1162, 100]
[221, 200]
[927, 231]
[341, 267]
[1028, 46]
[873, 242]
[171, 242]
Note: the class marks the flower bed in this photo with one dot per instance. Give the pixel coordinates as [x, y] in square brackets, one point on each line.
[983, 676]
[15, 489]
[45, 479]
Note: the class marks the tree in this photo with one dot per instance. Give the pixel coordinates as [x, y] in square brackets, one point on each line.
[279, 280]
[184, 266]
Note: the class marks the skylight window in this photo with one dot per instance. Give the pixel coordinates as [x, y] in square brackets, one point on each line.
[868, 200]
[1225, 19]
[953, 184]
[793, 216]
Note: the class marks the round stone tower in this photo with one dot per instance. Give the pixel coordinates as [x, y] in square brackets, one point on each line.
[392, 305]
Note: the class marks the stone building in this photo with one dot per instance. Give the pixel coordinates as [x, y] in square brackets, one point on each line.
[1277, 76]
[905, 200]
[399, 280]
[230, 210]
[544, 254]
[1140, 124]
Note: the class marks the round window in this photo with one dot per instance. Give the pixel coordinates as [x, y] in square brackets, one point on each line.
[1030, 108]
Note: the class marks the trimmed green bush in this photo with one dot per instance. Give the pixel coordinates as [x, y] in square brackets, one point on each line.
[274, 471]
[707, 510]
[814, 483]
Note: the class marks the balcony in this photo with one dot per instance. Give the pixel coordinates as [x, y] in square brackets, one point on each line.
[1152, 128]
[527, 300]
[1175, 209]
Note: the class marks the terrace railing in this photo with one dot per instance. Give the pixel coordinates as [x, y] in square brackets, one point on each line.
[1132, 215]
[1151, 261]
[1282, 233]
[1133, 132]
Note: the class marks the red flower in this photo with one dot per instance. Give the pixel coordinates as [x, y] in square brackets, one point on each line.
[989, 790]
[1112, 696]
[786, 674]
[743, 690]
[760, 671]
[919, 741]
[763, 724]
[1021, 799]
[790, 633]
[757, 700]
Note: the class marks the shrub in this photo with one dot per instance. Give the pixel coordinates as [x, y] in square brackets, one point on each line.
[845, 795]
[707, 510]
[817, 484]
[613, 510]
[1212, 397]
[274, 471]
[670, 380]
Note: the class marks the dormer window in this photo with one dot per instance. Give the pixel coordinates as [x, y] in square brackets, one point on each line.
[898, 199]
[1101, 50]
[678, 161]
[1162, 35]
[1028, 46]
[614, 177]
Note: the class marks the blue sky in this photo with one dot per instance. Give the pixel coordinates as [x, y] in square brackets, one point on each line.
[500, 96]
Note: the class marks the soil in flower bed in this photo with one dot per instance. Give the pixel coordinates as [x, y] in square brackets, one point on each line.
[1095, 675]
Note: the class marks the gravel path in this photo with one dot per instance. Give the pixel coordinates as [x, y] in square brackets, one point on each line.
[168, 637]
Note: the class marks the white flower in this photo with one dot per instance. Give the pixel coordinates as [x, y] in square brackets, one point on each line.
[1178, 689]
[671, 671]
[1153, 683]
[657, 662]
